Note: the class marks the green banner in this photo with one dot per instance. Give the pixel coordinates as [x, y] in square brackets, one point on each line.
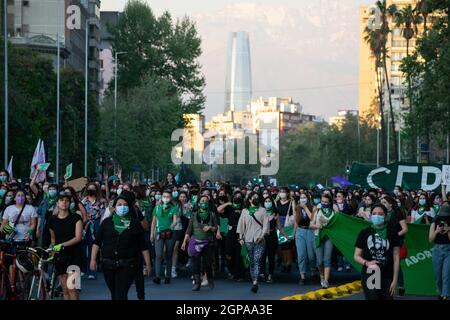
[407, 175]
[417, 268]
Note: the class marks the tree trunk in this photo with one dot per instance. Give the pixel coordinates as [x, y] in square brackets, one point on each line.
[390, 107]
[413, 139]
[383, 149]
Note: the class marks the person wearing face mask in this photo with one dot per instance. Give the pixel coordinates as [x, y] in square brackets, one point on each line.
[436, 202]
[4, 177]
[252, 228]
[161, 235]
[232, 212]
[366, 207]
[3, 204]
[271, 239]
[95, 207]
[439, 235]
[121, 240]
[183, 217]
[378, 247]
[220, 262]
[286, 209]
[19, 220]
[199, 241]
[66, 229]
[304, 238]
[322, 214]
[45, 211]
[422, 212]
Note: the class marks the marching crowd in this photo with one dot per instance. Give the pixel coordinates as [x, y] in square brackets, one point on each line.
[131, 230]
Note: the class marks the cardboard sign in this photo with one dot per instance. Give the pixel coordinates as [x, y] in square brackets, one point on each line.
[43, 166]
[68, 174]
[78, 184]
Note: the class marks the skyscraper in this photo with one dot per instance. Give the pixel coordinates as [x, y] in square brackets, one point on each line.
[238, 85]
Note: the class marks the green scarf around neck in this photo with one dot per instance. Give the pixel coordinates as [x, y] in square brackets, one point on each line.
[252, 210]
[381, 231]
[121, 224]
[269, 212]
[327, 212]
[203, 214]
[236, 205]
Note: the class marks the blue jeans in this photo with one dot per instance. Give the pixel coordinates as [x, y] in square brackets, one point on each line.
[342, 261]
[304, 241]
[88, 241]
[441, 266]
[324, 252]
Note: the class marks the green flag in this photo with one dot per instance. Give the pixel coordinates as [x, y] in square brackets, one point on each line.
[68, 174]
[417, 268]
[244, 255]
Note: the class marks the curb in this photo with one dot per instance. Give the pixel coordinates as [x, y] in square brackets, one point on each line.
[330, 293]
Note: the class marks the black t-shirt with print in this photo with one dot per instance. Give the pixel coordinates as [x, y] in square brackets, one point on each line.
[375, 248]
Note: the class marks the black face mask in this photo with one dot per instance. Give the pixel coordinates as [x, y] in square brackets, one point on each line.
[223, 199]
[237, 200]
[92, 193]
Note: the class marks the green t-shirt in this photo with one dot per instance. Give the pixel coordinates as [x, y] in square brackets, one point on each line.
[164, 216]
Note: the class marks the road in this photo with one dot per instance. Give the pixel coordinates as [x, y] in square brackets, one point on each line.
[180, 289]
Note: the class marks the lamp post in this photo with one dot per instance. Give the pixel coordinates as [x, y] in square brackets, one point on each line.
[5, 20]
[116, 64]
[86, 90]
[58, 87]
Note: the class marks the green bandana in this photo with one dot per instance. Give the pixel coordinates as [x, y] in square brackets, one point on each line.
[236, 205]
[120, 224]
[269, 212]
[203, 213]
[252, 210]
[51, 202]
[436, 208]
[381, 231]
[327, 212]
[421, 212]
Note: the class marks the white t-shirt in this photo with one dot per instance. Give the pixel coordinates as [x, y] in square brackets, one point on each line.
[22, 227]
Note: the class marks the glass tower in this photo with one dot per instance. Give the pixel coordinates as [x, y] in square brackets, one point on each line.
[238, 85]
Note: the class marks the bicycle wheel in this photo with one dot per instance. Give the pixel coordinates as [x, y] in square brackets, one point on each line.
[5, 288]
[38, 290]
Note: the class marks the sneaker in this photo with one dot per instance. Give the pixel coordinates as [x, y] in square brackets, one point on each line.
[167, 280]
[230, 276]
[325, 284]
[269, 279]
[174, 273]
[348, 268]
[254, 288]
[91, 277]
[262, 277]
[204, 282]
[157, 280]
[240, 279]
[340, 269]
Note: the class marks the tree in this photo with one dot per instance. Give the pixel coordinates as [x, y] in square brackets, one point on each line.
[32, 116]
[159, 47]
[146, 117]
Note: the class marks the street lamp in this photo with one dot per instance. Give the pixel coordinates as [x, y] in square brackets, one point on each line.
[116, 64]
[5, 20]
[86, 90]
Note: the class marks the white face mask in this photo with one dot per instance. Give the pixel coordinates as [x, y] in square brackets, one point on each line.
[147, 193]
[165, 200]
[283, 195]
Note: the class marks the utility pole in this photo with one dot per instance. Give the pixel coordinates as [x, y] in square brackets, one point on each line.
[5, 20]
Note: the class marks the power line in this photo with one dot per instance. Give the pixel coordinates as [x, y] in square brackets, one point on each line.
[295, 89]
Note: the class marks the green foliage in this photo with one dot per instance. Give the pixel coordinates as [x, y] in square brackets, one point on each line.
[317, 152]
[146, 118]
[32, 112]
[162, 48]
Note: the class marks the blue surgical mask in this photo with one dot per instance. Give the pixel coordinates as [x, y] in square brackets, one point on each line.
[324, 205]
[377, 220]
[316, 201]
[422, 202]
[3, 178]
[157, 197]
[303, 200]
[268, 205]
[175, 194]
[2, 192]
[122, 211]
[52, 193]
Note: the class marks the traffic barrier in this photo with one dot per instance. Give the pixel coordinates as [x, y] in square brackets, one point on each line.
[330, 293]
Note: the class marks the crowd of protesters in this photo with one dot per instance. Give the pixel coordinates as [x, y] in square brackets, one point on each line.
[129, 230]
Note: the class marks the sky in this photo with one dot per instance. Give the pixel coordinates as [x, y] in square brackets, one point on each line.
[305, 49]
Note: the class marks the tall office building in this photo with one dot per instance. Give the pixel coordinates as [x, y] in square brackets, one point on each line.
[238, 85]
[35, 24]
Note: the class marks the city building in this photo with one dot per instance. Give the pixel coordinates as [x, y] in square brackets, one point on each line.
[238, 83]
[35, 24]
[339, 120]
[108, 20]
[397, 50]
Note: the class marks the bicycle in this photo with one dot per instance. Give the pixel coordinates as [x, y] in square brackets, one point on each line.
[12, 283]
[40, 287]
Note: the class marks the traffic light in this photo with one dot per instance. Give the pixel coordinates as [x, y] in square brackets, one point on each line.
[347, 169]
